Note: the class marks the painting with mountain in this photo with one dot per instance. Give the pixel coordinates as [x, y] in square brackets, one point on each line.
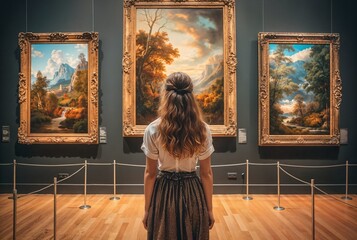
[300, 89]
[186, 40]
[194, 37]
[59, 88]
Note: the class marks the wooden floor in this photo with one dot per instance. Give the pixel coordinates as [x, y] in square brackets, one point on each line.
[235, 218]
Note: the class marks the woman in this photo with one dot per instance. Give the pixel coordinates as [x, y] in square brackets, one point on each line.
[178, 205]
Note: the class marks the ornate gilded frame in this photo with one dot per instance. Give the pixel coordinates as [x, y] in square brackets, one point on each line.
[335, 94]
[25, 40]
[130, 128]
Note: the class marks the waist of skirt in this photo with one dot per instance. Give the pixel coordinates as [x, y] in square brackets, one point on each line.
[176, 176]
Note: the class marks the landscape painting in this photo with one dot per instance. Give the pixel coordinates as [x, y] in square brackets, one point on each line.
[58, 88]
[186, 40]
[299, 89]
[191, 37]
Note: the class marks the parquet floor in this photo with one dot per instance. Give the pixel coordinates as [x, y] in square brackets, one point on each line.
[235, 218]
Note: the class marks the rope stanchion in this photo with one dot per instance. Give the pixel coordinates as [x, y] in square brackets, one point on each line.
[85, 206]
[346, 197]
[278, 208]
[247, 182]
[14, 214]
[13, 177]
[262, 164]
[54, 208]
[313, 208]
[114, 182]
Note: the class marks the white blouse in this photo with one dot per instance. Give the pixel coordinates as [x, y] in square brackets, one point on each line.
[166, 162]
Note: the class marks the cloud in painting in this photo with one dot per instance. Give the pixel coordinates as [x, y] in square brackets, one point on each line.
[303, 55]
[36, 53]
[57, 58]
[202, 27]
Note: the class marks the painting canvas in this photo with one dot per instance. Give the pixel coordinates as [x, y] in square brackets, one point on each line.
[178, 38]
[190, 41]
[300, 77]
[58, 88]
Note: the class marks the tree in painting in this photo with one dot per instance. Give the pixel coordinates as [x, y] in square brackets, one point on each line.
[299, 89]
[59, 92]
[187, 40]
[153, 51]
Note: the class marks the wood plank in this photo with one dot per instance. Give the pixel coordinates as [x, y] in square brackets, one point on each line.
[235, 218]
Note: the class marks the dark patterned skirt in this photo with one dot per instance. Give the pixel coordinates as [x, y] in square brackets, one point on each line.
[178, 208]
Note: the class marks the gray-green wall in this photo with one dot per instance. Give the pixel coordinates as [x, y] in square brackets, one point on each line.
[252, 16]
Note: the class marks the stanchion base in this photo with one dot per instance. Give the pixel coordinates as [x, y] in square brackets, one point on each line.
[85, 207]
[247, 198]
[278, 208]
[114, 198]
[346, 198]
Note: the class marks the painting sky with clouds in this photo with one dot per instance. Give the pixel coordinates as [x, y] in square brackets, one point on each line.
[197, 33]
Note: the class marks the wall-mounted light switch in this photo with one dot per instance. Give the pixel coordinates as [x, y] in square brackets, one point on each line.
[5, 134]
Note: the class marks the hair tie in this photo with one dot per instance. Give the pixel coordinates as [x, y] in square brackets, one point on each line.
[181, 91]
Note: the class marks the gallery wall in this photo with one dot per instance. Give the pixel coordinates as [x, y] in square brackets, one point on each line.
[252, 16]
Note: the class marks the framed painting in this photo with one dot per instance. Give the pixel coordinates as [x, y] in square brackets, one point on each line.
[300, 89]
[58, 88]
[195, 37]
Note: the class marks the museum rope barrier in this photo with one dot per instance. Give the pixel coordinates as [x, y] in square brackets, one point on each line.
[15, 198]
[312, 186]
[346, 165]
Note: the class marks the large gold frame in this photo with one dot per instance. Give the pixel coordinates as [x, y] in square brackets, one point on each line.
[130, 128]
[265, 138]
[24, 134]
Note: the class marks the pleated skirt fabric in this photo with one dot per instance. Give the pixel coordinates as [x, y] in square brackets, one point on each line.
[178, 208]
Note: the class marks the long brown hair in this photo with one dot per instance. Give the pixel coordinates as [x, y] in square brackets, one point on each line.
[182, 130]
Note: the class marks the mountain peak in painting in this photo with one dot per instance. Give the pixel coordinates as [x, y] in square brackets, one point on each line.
[213, 70]
[64, 72]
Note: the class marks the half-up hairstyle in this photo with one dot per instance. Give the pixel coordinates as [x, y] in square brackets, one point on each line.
[182, 130]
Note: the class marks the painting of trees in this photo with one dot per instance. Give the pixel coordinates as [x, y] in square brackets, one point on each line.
[280, 85]
[299, 89]
[153, 52]
[59, 103]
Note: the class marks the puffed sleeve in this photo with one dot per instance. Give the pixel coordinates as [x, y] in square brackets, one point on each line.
[209, 149]
[149, 144]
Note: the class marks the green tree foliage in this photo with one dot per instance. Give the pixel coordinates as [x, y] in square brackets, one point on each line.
[299, 108]
[81, 83]
[38, 92]
[318, 75]
[51, 104]
[280, 84]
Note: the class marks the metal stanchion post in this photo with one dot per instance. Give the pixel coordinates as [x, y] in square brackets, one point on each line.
[54, 207]
[278, 208]
[14, 214]
[346, 197]
[85, 206]
[14, 178]
[313, 208]
[114, 182]
[247, 182]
